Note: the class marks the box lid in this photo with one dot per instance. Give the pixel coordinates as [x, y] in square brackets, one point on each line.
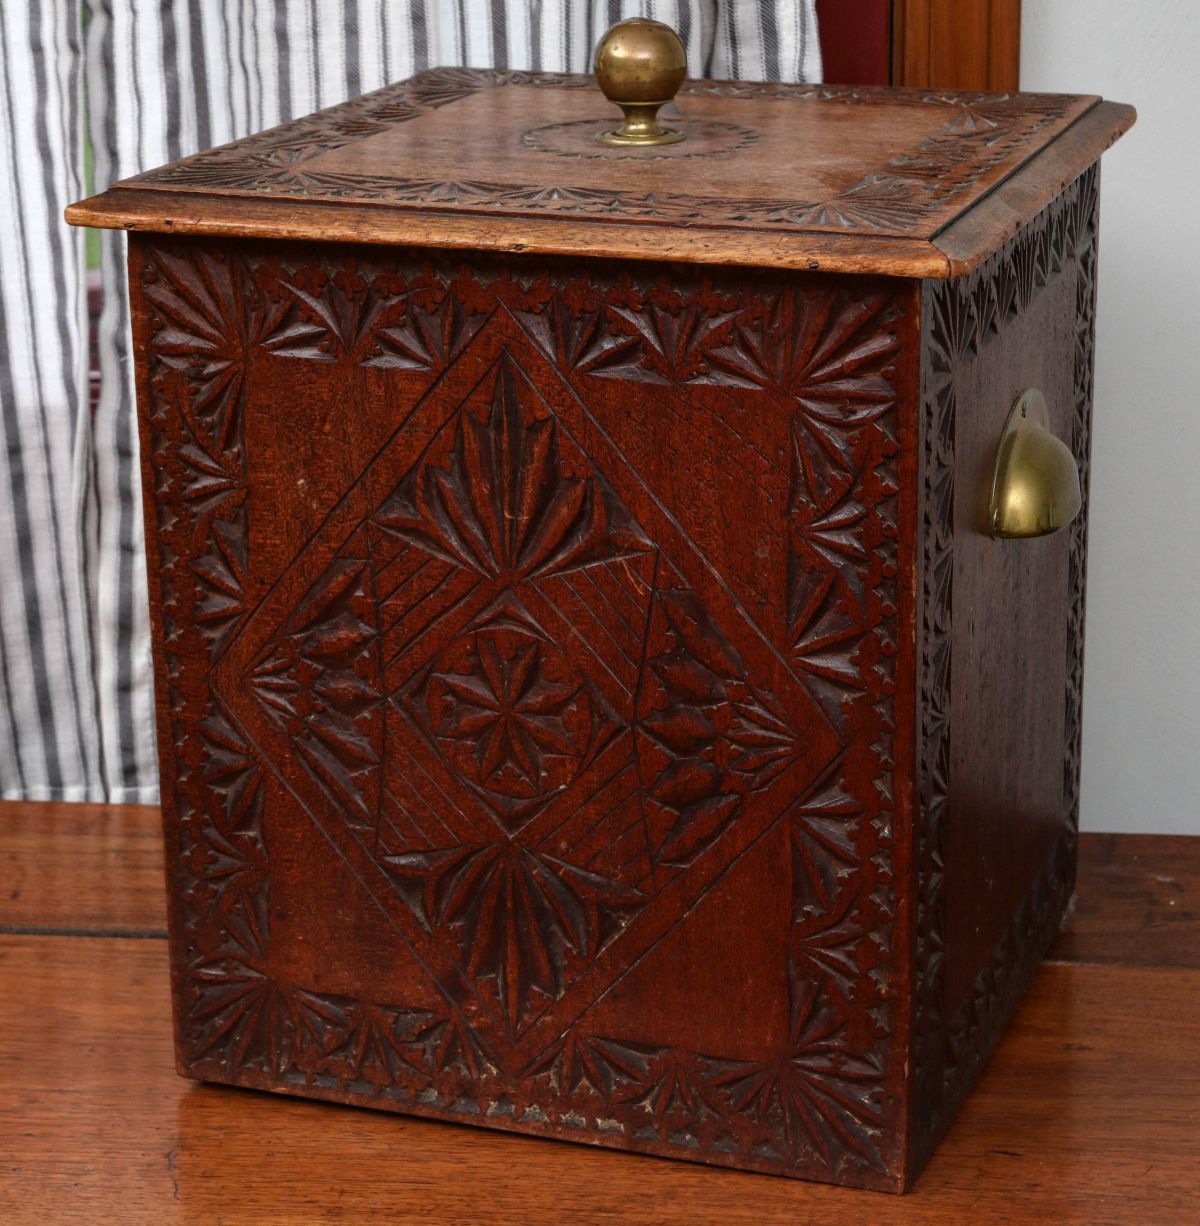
[905, 182]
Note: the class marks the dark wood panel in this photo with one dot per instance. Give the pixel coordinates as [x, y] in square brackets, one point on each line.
[957, 44]
[1000, 695]
[1073, 1122]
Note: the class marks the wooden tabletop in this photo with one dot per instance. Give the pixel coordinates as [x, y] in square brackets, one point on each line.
[1087, 1113]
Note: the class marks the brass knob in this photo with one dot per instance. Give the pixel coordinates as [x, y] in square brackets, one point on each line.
[640, 65]
[1035, 487]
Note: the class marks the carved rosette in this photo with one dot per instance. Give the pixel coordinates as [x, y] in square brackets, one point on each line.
[581, 662]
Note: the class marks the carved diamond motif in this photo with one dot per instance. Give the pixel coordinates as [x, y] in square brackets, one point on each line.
[520, 711]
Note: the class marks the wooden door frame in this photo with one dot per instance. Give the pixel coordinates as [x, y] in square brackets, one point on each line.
[926, 44]
[957, 44]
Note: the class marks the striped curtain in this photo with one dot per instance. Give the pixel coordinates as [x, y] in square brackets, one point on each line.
[154, 80]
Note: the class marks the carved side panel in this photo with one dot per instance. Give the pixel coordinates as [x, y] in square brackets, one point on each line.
[515, 697]
[1055, 254]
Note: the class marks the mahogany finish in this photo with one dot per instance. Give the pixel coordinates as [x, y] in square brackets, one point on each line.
[924, 44]
[588, 702]
[72, 868]
[507, 654]
[956, 44]
[1073, 1122]
[80, 869]
[1137, 902]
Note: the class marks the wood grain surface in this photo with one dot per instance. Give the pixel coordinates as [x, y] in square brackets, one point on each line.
[1137, 902]
[76, 868]
[81, 869]
[957, 250]
[956, 44]
[130, 209]
[831, 177]
[545, 756]
[967, 242]
[338, 658]
[1077, 1119]
[595, 857]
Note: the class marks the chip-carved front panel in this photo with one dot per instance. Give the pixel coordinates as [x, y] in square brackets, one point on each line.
[508, 617]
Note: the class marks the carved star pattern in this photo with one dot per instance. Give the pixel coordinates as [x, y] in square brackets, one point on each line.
[510, 711]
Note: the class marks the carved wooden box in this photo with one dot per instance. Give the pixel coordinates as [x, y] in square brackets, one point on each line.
[592, 702]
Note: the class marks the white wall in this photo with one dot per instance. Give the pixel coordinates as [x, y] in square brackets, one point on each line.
[1141, 724]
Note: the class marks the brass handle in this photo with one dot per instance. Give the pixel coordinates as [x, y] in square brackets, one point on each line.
[1035, 489]
[640, 65]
